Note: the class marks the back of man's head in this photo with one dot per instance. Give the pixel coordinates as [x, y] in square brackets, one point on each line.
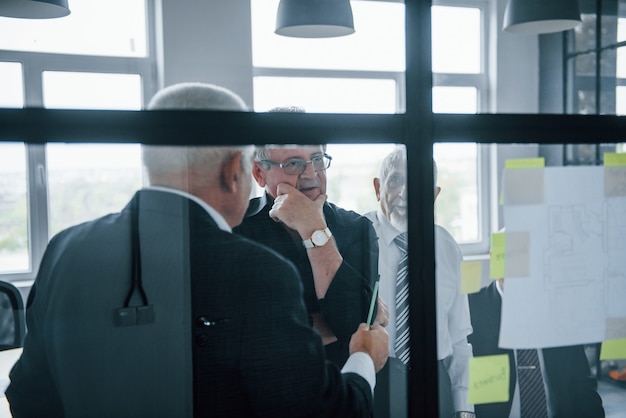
[161, 161]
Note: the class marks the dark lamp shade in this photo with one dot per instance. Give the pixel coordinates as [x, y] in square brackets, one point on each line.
[314, 18]
[34, 9]
[541, 16]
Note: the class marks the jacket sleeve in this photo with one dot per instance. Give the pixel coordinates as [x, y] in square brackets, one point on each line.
[348, 298]
[32, 391]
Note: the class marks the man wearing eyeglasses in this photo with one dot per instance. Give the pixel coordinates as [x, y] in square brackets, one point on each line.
[335, 250]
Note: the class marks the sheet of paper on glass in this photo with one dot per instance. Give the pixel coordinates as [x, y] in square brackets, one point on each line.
[565, 256]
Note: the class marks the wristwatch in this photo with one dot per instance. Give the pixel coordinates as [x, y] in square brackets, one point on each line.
[318, 238]
[464, 414]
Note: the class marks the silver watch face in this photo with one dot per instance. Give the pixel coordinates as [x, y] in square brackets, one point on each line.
[319, 238]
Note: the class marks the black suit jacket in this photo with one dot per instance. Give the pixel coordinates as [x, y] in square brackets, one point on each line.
[571, 386]
[231, 336]
[347, 300]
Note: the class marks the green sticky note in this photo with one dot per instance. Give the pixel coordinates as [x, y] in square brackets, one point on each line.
[525, 163]
[489, 379]
[615, 159]
[471, 275]
[498, 253]
[613, 349]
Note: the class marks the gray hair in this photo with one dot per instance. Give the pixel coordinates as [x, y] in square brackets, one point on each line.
[398, 156]
[395, 157]
[161, 160]
[262, 152]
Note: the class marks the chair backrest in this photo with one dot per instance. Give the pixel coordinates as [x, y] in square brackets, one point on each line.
[12, 318]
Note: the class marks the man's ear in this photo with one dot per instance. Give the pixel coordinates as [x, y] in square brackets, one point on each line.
[231, 173]
[377, 188]
[258, 173]
[437, 191]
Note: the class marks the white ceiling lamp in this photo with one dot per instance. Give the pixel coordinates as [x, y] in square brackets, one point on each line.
[541, 16]
[314, 18]
[34, 9]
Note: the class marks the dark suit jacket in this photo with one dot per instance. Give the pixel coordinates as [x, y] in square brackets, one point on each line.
[347, 300]
[571, 386]
[231, 336]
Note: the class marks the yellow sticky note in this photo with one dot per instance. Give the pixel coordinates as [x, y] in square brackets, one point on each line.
[498, 253]
[471, 275]
[613, 349]
[525, 163]
[615, 159]
[489, 379]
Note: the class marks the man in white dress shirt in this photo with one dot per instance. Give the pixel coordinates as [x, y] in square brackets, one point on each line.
[453, 320]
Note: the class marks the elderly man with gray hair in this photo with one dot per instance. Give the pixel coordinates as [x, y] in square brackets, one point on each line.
[453, 320]
[160, 311]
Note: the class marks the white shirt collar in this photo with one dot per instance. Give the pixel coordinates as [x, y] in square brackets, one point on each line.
[387, 232]
[215, 215]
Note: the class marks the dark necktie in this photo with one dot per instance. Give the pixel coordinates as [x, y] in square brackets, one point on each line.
[402, 301]
[531, 389]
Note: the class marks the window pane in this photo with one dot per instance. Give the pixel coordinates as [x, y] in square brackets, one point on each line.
[351, 174]
[91, 90]
[88, 181]
[14, 256]
[377, 44]
[326, 95]
[11, 85]
[455, 100]
[458, 50]
[94, 27]
[620, 101]
[456, 207]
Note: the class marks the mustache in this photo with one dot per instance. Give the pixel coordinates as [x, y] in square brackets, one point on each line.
[308, 183]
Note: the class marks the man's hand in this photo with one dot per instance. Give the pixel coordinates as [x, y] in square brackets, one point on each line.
[382, 314]
[372, 340]
[297, 211]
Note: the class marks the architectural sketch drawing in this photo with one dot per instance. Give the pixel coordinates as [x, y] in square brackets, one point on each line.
[576, 277]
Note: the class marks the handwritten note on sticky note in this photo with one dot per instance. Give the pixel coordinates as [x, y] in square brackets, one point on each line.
[489, 379]
[471, 275]
[525, 163]
[498, 255]
[613, 349]
[614, 159]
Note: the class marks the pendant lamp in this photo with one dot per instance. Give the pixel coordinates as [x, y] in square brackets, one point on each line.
[541, 16]
[34, 9]
[314, 18]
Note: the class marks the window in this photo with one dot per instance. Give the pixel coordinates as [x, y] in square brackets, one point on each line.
[364, 73]
[95, 58]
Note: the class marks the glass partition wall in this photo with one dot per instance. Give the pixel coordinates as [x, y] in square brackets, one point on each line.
[479, 130]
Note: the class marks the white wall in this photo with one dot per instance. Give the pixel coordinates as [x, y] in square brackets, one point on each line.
[514, 66]
[208, 41]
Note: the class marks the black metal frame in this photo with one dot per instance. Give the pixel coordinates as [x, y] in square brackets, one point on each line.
[15, 298]
[418, 129]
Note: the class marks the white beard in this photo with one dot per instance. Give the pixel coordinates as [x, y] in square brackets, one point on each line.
[398, 221]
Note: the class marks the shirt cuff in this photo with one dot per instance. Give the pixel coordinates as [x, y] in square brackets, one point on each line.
[363, 365]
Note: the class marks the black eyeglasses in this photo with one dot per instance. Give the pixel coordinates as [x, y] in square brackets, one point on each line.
[298, 165]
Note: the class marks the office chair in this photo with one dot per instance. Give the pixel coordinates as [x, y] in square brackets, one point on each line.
[12, 318]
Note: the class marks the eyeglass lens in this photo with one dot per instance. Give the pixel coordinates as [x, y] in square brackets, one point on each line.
[298, 166]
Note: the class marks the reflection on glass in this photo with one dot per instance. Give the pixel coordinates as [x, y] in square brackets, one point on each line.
[14, 256]
[458, 50]
[455, 100]
[88, 181]
[457, 207]
[11, 85]
[95, 27]
[326, 95]
[91, 90]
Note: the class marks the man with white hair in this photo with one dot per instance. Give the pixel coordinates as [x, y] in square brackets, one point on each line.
[160, 311]
[453, 321]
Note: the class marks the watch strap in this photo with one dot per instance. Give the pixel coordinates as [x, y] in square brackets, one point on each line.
[308, 243]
